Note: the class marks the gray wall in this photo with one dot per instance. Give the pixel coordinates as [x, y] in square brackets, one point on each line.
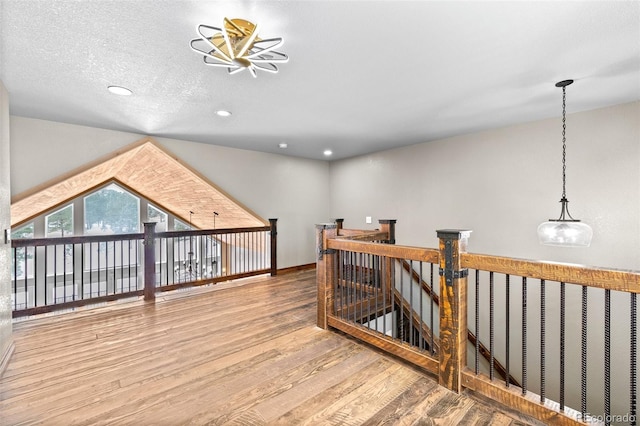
[291, 189]
[501, 184]
[5, 219]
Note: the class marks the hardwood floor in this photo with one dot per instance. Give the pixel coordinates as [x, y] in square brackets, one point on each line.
[246, 354]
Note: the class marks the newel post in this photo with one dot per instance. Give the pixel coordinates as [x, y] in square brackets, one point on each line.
[453, 308]
[325, 264]
[149, 261]
[274, 246]
[389, 226]
[339, 225]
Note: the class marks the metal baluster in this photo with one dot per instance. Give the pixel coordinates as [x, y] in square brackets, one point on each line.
[90, 269]
[46, 269]
[383, 285]
[607, 356]
[345, 288]
[336, 280]
[64, 272]
[411, 334]
[55, 274]
[542, 341]
[98, 269]
[26, 278]
[137, 261]
[477, 330]
[433, 351]
[122, 265]
[507, 325]
[35, 275]
[562, 340]
[369, 284]
[392, 296]
[376, 283]
[633, 383]
[401, 306]
[82, 268]
[359, 281]
[114, 267]
[583, 377]
[137, 246]
[15, 277]
[422, 339]
[350, 297]
[163, 243]
[524, 336]
[491, 327]
[73, 271]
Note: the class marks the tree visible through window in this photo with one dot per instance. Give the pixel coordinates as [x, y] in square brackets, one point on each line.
[158, 216]
[60, 223]
[111, 210]
[25, 231]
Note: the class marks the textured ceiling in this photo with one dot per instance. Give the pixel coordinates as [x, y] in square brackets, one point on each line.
[363, 76]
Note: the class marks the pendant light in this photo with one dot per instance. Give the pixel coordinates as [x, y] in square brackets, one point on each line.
[564, 231]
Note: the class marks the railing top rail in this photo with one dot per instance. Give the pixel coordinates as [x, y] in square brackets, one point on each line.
[612, 279]
[351, 232]
[79, 239]
[388, 250]
[368, 236]
[186, 233]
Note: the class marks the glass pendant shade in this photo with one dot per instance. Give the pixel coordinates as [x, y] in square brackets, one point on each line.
[565, 233]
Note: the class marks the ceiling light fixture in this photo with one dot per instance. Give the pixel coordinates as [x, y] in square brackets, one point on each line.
[327, 152]
[564, 231]
[283, 145]
[223, 113]
[119, 90]
[237, 47]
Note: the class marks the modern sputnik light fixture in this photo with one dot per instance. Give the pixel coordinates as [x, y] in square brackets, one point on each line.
[564, 231]
[237, 47]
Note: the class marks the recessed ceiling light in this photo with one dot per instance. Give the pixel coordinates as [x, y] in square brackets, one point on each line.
[119, 90]
[283, 145]
[328, 152]
[223, 113]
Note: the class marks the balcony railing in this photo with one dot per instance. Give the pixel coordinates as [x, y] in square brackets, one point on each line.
[557, 342]
[60, 273]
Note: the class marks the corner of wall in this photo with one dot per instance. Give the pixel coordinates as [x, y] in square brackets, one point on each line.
[6, 339]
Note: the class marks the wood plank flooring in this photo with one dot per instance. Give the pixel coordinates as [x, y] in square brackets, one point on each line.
[246, 353]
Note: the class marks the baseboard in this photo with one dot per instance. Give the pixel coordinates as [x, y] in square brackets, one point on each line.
[4, 361]
[298, 268]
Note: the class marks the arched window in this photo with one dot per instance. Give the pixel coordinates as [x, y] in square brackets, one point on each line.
[59, 223]
[156, 215]
[111, 210]
[25, 231]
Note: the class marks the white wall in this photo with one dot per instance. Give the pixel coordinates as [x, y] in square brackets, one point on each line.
[274, 186]
[5, 223]
[501, 184]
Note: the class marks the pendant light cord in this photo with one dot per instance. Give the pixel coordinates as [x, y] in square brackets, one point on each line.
[564, 145]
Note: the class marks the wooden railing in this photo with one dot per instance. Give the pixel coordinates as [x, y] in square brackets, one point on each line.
[61, 273]
[385, 295]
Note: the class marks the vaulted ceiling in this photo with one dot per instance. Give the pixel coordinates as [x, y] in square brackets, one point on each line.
[363, 76]
[150, 171]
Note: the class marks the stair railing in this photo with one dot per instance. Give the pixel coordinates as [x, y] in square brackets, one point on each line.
[366, 289]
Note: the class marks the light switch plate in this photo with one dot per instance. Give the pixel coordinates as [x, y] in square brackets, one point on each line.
[367, 219]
